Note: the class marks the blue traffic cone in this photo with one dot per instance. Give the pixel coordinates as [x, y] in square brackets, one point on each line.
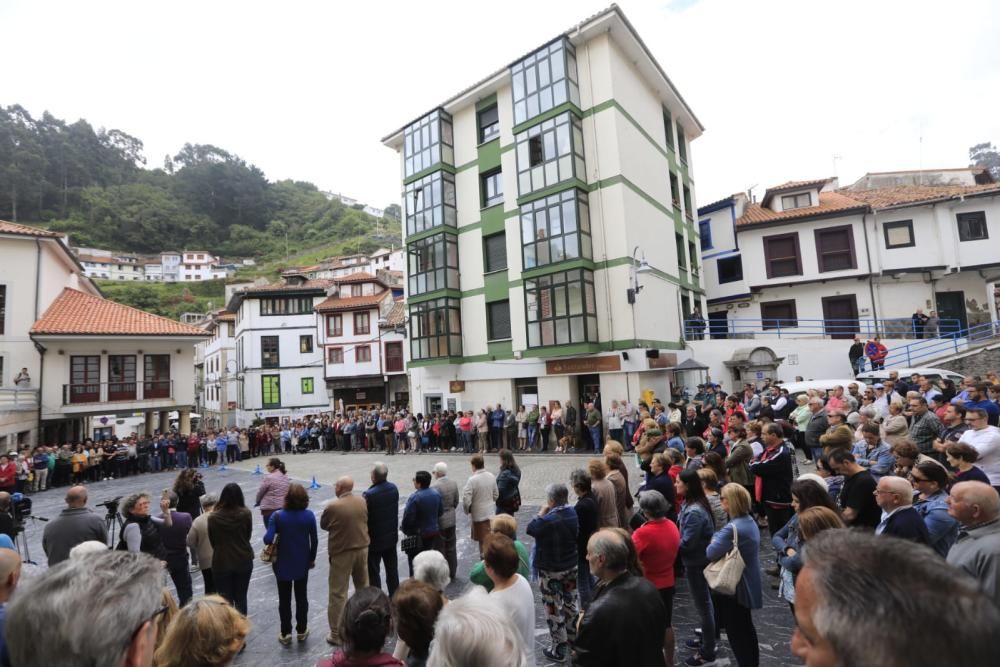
[222, 466]
[204, 464]
[314, 484]
[258, 471]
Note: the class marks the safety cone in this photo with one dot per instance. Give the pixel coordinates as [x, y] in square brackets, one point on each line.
[258, 471]
[314, 484]
[204, 464]
[222, 466]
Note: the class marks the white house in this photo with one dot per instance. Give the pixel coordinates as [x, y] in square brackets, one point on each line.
[814, 260]
[386, 259]
[200, 265]
[358, 358]
[549, 225]
[218, 385]
[109, 266]
[171, 266]
[279, 365]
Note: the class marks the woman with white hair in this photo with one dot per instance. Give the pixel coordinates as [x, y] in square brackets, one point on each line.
[431, 568]
[475, 630]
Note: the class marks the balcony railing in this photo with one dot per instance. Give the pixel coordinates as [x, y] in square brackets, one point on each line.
[18, 399]
[111, 392]
[805, 328]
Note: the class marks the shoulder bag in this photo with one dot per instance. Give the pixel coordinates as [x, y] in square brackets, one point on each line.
[269, 554]
[723, 575]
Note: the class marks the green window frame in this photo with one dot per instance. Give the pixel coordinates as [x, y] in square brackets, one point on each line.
[432, 263]
[495, 252]
[561, 308]
[498, 320]
[491, 188]
[307, 385]
[430, 203]
[556, 229]
[436, 329]
[681, 144]
[668, 128]
[270, 391]
[544, 80]
[550, 153]
[427, 142]
[488, 122]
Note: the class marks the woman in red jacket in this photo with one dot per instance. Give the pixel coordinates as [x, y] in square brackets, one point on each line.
[8, 474]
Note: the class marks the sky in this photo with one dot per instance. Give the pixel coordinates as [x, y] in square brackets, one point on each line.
[786, 90]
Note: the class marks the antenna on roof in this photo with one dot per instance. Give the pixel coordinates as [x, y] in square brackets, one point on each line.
[750, 196]
[836, 158]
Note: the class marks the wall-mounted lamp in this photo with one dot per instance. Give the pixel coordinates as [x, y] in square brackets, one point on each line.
[642, 267]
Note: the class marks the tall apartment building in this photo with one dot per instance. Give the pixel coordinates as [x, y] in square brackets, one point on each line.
[535, 202]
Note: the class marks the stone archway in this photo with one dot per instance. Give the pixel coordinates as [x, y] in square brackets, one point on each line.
[753, 364]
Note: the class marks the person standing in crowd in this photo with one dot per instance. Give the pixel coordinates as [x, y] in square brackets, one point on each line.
[294, 529]
[919, 321]
[773, 478]
[962, 458]
[140, 533]
[382, 501]
[476, 630]
[617, 476]
[420, 516]
[985, 439]
[448, 490]
[626, 622]
[587, 520]
[366, 624]
[272, 489]
[604, 493]
[816, 427]
[479, 498]
[656, 543]
[857, 497]
[509, 430]
[929, 480]
[808, 491]
[496, 428]
[932, 615]
[511, 589]
[856, 355]
[230, 526]
[174, 538]
[894, 496]
[659, 480]
[508, 484]
[978, 399]
[594, 427]
[735, 611]
[74, 525]
[208, 632]
[976, 507]
[555, 530]
[925, 427]
[346, 521]
[189, 488]
[873, 453]
[502, 524]
[740, 455]
[697, 527]
[522, 429]
[120, 593]
[200, 543]
[415, 607]
[570, 422]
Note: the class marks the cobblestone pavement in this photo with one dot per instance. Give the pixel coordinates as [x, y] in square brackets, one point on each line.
[774, 622]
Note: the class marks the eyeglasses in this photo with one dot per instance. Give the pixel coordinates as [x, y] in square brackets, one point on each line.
[152, 619]
[917, 479]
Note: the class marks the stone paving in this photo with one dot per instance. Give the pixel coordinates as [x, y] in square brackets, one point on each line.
[774, 622]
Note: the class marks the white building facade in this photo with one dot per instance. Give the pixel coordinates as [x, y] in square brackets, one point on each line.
[218, 384]
[530, 202]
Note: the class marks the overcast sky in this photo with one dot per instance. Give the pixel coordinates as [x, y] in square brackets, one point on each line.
[305, 90]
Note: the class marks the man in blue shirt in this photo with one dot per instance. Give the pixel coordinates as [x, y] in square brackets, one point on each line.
[979, 398]
[420, 517]
[496, 428]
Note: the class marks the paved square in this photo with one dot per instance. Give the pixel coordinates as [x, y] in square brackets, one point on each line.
[774, 622]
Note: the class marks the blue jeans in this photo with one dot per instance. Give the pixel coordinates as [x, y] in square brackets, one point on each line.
[618, 435]
[629, 428]
[182, 458]
[595, 437]
[584, 582]
[703, 603]
[532, 432]
[155, 461]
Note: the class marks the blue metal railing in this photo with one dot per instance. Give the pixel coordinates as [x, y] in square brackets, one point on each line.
[798, 327]
[912, 354]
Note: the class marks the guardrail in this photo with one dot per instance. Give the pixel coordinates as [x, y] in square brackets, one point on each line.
[954, 343]
[111, 392]
[823, 328]
[18, 399]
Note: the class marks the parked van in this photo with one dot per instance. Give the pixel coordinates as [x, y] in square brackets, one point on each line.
[797, 388]
[935, 375]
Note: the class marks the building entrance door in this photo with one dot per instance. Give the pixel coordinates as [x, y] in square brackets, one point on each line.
[718, 324]
[951, 306]
[840, 316]
[432, 403]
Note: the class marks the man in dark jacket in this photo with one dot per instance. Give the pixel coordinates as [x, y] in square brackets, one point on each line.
[816, 427]
[625, 622]
[74, 525]
[382, 498]
[855, 354]
[774, 468]
[895, 496]
[555, 530]
[422, 515]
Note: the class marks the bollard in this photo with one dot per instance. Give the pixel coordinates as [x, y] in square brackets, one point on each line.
[314, 484]
[258, 471]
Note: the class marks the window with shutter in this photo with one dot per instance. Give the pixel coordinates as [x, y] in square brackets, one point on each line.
[498, 320]
[835, 249]
[495, 251]
[781, 255]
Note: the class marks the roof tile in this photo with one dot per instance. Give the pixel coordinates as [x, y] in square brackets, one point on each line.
[913, 194]
[78, 313]
[24, 230]
[351, 303]
[829, 202]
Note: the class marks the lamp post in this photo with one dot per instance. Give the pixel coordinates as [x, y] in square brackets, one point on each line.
[634, 271]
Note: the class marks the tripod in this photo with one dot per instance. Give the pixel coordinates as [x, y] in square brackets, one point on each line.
[112, 521]
[23, 544]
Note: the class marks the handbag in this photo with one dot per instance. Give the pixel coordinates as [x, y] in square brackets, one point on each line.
[411, 544]
[723, 575]
[269, 554]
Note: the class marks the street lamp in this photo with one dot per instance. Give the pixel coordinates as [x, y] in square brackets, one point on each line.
[634, 271]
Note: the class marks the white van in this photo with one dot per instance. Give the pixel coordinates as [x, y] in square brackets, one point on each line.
[797, 388]
[935, 375]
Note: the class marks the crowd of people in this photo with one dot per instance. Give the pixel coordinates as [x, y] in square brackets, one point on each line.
[900, 522]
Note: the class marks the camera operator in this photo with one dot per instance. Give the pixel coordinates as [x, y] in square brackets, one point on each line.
[74, 525]
[8, 526]
[141, 531]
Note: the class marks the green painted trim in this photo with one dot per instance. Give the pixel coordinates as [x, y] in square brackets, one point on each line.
[489, 156]
[508, 147]
[436, 294]
[493, 220]
[563, 350]
[468, 165]
[496, 286]
[503, 349]
[648, 344]
[440, 361]
[440, 166]
[579, 263]
[551, 113]
[553, 189]
[475, 291]
[448, 229]
[486, 102]
[471, 227]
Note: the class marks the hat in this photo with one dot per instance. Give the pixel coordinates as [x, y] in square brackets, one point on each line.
[878, 385]
[815, 478]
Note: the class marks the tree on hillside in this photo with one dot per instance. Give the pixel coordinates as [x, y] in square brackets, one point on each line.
[393, 211]
[986, 155]
[222, 186]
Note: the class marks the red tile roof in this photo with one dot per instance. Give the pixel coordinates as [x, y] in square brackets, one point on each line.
[829, 202]
[396, 315]
[357, 277]
[792, 185]
[227, 317]
[311, 285]
[78, 313]
[351, 302]
[24, 230]
[914, 194]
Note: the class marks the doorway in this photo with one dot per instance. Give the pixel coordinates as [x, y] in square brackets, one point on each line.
[432, 403]
[840, 316]
[718, 325]
[951, 306]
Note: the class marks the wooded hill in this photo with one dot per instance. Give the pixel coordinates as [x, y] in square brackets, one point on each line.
[94, 185]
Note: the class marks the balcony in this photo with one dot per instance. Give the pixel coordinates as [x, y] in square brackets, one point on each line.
[18, 399]
[116, 392]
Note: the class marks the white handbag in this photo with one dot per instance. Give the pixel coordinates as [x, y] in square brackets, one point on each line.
[723, 575]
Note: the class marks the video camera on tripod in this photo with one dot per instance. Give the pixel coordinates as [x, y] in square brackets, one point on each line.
[111, 505]
[20, 512]
[112, 520]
